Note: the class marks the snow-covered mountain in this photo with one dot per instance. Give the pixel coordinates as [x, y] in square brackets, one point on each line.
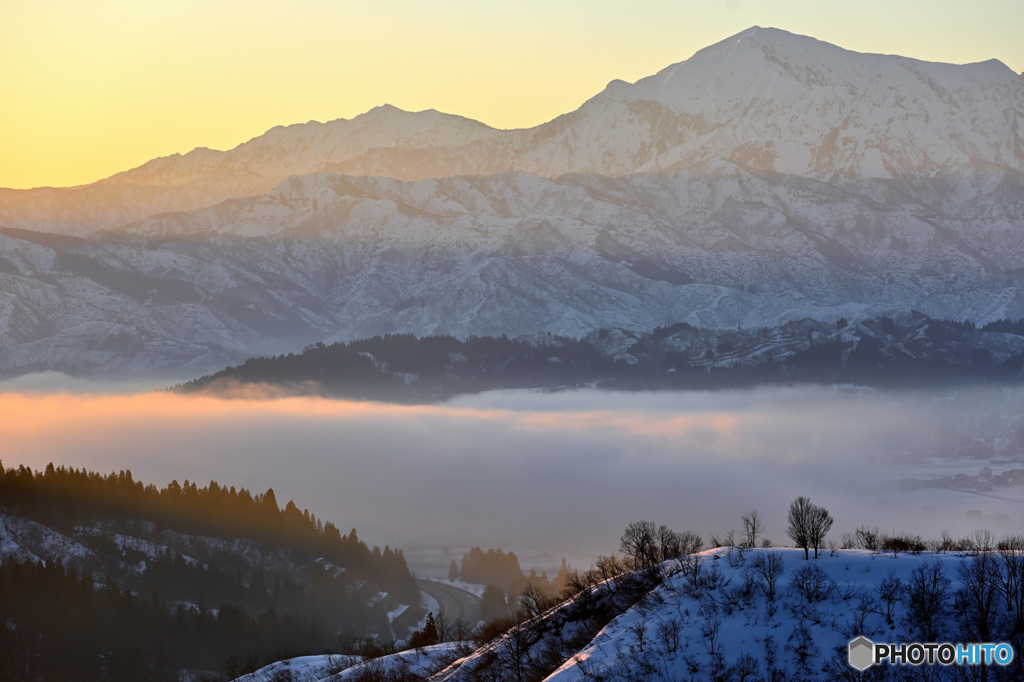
[204, 177]
[769, 177]
[764, 99]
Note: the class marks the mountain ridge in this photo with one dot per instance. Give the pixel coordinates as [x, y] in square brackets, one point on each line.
[681, 117]
[769, 177]
[882, 352]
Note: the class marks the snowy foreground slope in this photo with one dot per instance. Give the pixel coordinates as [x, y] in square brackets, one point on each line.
[715, 616]
[411, 664]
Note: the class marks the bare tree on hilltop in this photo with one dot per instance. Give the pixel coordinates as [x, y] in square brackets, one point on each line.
[752, 527]
[808, 524]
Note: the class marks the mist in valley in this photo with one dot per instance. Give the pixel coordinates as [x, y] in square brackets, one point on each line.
[549, 474]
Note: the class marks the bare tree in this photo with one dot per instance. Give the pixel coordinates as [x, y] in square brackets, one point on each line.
[640, 543]
[799, 516]
[821, 524]
[978, 596]
[982, 541]
[533, 601]
[752, 527]
[690, 542]
[668, 543]
[461, 632]
[926, 594]
[692, 568]
[605, 568]
[808, 525]
[441, 626]
[869, 537]
[890, 589]
[1011, 578]
[769, 566]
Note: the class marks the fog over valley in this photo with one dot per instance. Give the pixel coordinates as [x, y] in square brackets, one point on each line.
[561, 473]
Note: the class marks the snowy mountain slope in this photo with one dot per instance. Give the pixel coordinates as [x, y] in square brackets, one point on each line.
[70, 304]
[683, 632]
[764, 98]
[730, 613]
[885, 243]
[966, 216]
[328, 257]
[204, 177]
[303, 148]
[796, 105]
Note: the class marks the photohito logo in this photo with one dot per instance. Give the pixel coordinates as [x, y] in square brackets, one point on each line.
[863, 653]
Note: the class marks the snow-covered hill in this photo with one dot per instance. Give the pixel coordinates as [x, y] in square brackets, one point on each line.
[735, 614]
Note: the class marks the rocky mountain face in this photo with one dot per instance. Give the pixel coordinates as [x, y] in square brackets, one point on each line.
[769, 177]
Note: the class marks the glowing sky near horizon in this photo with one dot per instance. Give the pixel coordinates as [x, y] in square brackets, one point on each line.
[90, 89]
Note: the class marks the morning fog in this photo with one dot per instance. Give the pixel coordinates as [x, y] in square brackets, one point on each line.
[560, 474]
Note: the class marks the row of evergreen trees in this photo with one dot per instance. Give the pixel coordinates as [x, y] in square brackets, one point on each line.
[228, 581]
[505, 582]
[65, 497]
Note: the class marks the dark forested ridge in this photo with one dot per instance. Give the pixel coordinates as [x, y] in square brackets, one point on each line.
[903, 350]
[103, 577]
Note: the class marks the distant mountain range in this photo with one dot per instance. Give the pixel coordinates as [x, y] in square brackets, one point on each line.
[770, 177]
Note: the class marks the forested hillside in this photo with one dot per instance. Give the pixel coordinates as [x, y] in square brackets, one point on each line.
[133, 582]
[903, 350]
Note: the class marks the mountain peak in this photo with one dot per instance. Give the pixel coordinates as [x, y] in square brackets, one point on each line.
[385, 109]
[770, 63]
[757, 36]
[749, 61]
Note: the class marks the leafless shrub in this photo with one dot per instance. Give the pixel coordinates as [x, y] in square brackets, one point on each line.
[769, 566]
[710, 628]
[669, 633]
[890, 591]
[868, 538]
[811, 583]
[746, 667]
[736, 556]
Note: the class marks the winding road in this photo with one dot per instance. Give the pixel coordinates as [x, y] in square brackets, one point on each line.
[455, 603]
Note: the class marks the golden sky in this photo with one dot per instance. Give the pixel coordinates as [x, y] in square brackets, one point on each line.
[92, 87]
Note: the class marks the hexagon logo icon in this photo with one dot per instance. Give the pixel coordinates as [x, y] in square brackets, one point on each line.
[862, 653]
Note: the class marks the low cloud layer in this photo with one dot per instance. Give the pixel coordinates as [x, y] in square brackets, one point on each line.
[560, 471]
